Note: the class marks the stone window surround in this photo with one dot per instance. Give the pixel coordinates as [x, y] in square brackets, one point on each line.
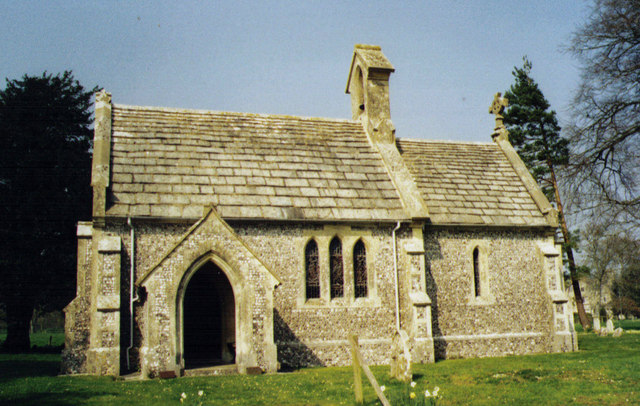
[348, 238]
[485, 297]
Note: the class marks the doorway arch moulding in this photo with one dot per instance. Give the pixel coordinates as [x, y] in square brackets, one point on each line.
[210, 239]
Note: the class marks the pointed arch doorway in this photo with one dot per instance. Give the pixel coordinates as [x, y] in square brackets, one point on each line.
[208, 319]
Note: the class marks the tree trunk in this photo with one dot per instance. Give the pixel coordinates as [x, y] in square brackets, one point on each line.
[18, 321]
[582, 315]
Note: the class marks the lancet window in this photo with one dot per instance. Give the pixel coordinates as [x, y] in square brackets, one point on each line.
[336, 269]
[312, 268]
[360, 269]
[476, 271]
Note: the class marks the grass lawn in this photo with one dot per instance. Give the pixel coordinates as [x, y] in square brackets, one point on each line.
[606, 371]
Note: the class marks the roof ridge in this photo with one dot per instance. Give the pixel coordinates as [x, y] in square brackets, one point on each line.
[429, 141]
[236, 113]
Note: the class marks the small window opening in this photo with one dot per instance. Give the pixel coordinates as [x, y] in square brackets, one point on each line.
[476, 271]
[336, 268]
[312, 270]
[360, 269]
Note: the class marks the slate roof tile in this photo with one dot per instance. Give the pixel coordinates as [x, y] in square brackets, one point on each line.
[169, 162]
[469, 183]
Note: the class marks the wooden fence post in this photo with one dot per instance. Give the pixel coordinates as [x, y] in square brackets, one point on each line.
[355, 351]
[357, 375]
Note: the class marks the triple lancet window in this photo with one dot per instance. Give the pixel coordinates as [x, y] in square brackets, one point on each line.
[336, 270]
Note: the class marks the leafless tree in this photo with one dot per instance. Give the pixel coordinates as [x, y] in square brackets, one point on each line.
[605, 135]
[610, 254]
[600, 246]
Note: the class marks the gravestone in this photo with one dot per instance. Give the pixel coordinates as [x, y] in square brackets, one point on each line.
[596, 321]
[609, 327]
[401, 357]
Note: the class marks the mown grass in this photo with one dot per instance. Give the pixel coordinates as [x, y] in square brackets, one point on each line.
[628, 324]
[606, 371]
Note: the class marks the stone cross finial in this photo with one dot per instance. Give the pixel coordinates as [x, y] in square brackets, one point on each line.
[103, 97]
[497, 108]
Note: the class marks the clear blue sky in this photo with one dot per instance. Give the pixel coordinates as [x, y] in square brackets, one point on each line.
[292, 57]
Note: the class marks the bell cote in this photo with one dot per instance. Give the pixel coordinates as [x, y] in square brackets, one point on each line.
[368, 85]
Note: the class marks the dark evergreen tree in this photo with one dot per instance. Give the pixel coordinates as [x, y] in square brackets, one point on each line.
[533, 129]
[535, 134]
[45, 140]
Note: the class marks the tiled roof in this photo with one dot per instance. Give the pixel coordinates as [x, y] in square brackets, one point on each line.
[171, 163]
[469, 183]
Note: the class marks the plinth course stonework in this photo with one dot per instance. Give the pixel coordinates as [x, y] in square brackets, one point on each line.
[261, 242]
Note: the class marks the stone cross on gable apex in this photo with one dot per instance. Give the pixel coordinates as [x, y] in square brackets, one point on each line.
[497, 107]
[103, 97]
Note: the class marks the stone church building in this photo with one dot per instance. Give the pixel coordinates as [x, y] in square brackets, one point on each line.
[261, 242]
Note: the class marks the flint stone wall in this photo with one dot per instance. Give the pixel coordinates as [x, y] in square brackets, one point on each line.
[513, 315]
[516, 318]
[305, 332]
[315, 332]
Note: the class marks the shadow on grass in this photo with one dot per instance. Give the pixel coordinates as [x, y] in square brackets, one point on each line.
[27, 365]
[39, 361]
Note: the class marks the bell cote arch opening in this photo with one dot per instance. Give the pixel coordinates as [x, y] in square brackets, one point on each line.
[357, 91]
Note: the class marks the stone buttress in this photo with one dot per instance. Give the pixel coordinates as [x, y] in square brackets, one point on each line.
[92, 321]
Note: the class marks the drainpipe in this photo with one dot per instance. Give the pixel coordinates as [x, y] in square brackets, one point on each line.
[133, 297]
[395, 276]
